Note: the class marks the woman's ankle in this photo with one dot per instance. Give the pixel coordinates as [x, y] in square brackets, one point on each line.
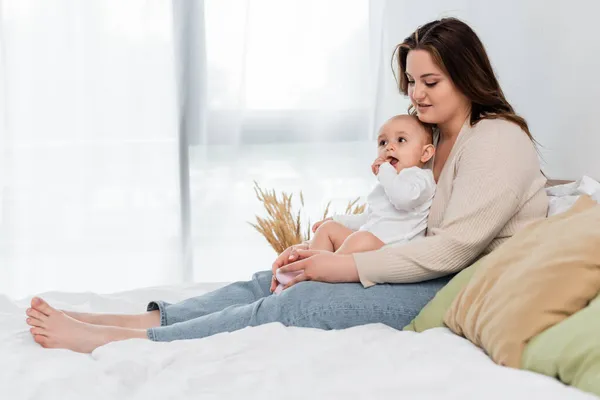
[151, 319]
[147, 320]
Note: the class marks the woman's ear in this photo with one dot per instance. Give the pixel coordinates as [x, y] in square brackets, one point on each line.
[428, 152]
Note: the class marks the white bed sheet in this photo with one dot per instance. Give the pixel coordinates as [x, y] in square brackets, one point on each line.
[266, 362]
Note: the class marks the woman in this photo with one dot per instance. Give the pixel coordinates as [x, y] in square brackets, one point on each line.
[489, 186]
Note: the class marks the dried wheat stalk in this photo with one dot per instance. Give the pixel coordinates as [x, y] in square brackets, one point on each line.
[282, 226]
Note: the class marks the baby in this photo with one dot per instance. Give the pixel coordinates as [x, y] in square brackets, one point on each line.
[398, 206]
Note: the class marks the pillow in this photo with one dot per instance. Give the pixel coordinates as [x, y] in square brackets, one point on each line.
[569, 350]
[540, 276]
[432, 315]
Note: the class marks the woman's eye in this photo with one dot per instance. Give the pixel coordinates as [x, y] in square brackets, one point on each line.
[432, 84]
[411, 82]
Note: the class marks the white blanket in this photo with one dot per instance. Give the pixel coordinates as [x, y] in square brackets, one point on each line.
[266, 362]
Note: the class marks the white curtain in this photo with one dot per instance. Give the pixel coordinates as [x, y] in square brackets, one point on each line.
[89, 179]
[290, 101]
[99, 100]
[286, 71]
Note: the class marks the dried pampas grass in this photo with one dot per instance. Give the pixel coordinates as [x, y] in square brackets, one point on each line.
[283, 226]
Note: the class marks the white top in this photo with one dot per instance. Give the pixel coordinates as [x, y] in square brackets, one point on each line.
[398, 206]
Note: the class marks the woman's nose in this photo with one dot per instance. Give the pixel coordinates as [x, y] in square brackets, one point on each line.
[419, 92]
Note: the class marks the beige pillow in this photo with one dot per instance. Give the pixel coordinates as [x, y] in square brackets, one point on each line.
[540, 276]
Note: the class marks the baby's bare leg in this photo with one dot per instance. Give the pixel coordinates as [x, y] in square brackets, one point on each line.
[359, 242]
[330, 236]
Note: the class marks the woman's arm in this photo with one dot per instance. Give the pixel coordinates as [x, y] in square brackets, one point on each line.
[479, 207]
[495, 170]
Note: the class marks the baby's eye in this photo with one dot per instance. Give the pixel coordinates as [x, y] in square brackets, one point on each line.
[401, 140]
[382, 142]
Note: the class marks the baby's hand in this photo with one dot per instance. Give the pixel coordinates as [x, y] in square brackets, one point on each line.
[376, 164]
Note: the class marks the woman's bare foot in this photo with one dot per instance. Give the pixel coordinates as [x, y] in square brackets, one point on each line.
[52, 328]
[139, 321]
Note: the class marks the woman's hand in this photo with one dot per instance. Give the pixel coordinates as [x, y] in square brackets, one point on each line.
[318, 224]
[287, 256]
[322, 266]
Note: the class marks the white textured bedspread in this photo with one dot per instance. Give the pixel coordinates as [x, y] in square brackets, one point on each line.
[266, 362]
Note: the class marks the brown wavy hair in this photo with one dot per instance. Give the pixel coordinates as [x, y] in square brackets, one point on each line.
[459, 53]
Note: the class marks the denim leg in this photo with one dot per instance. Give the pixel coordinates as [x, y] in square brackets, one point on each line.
[233, 294]
[315, 305]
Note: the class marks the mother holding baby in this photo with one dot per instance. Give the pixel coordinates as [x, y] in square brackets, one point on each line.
[489, 185]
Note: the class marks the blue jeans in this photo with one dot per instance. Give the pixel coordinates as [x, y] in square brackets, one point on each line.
[306, 304]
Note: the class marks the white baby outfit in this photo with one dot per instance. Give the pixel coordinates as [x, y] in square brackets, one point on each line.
[397, 207]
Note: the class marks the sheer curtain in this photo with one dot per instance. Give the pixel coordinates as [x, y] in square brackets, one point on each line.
[90, 189]
[290, 101]
[101, 100]
[286, 71]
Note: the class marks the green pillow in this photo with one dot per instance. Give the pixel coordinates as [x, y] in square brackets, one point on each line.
[432, 315]
[569, 350]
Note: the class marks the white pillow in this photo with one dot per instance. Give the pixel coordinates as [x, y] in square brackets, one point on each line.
[562, 197]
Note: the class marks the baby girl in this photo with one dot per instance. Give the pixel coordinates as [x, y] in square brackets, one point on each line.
[397, 207]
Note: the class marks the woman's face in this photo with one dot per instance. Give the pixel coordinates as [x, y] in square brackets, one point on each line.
[432, 92]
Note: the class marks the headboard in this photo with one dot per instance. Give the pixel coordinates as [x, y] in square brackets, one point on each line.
[555, 182]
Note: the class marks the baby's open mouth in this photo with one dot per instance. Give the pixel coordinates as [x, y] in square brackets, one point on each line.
[393, 161]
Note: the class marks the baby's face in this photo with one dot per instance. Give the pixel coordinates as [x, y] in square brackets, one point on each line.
[401, 142]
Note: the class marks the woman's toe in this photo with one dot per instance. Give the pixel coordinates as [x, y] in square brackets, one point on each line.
[42, 306]
[41, 340]
[37, 331]
[35, 314]
[35, 322]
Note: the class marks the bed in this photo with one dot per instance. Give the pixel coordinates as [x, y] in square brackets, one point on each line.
[265, 362]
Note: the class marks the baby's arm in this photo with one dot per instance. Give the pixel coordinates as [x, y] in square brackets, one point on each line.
[408, 189]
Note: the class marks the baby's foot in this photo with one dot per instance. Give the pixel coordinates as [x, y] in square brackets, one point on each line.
[52, 328]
